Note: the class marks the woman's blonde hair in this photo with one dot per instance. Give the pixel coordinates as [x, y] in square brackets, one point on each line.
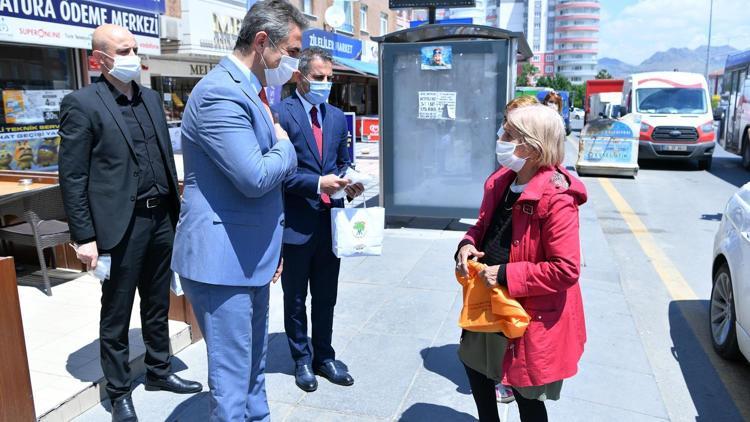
[542, 130]
[522, 101]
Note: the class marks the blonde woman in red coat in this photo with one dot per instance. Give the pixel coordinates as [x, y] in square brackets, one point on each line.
[528, 235]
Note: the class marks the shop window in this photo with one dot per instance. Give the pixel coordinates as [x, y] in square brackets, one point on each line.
[175, 92]
[33, 82]
[363, 18]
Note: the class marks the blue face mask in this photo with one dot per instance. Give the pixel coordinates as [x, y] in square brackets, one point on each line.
[319, 92]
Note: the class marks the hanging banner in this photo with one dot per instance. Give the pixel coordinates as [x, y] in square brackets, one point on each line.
[67, 23]
[155, 6]
[336, 44]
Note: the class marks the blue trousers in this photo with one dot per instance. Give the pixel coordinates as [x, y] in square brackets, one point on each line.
[234, 321]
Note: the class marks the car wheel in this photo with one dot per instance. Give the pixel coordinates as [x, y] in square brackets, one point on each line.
[723, 316]
[705, 164]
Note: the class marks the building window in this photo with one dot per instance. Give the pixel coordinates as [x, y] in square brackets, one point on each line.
[307, 6]
[549, 69]
[363, 18]
[383, 23]
[348, 25]
[550, 57]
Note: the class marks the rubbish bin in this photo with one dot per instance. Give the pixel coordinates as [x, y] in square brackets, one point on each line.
[443, 90]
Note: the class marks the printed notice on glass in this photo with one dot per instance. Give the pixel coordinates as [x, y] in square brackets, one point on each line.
[437, 105]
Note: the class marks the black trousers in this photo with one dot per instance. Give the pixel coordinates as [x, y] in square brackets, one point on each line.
[312, 264]
[140, 261]
[483, 390]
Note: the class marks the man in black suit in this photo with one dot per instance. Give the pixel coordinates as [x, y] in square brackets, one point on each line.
[319, 133]
[120, 192]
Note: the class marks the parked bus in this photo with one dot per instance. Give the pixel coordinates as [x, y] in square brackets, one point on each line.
[736, 136]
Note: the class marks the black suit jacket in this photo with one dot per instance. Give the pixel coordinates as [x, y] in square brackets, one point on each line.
[97, 163]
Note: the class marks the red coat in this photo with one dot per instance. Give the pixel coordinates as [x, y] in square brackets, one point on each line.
[542, 273]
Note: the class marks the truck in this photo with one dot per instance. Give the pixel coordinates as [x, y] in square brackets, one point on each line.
[599, 86]
[541, 92]
[672, 111]
[603, 104]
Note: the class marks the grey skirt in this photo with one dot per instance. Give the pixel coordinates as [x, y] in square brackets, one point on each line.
[485, 352]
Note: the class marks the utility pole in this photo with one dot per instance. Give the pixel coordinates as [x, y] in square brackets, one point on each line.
[708, 49]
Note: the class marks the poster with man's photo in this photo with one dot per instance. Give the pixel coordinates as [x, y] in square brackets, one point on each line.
[437, 58]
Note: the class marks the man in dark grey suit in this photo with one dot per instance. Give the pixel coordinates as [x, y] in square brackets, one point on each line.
[120, 191]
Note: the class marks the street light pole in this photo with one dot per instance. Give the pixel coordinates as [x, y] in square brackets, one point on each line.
[708, 49]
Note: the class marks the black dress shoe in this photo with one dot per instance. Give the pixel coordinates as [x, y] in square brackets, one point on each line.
[123, 410]
[174, 384]
[335, 372]
[305, 379]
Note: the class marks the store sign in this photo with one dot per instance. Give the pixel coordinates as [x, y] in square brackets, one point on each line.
[336, 44]
[155, 6]
[210, 27]
[201, 69]
[67, 23]
[226, 30]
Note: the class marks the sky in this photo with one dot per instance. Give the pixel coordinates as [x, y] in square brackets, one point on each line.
[633, 30]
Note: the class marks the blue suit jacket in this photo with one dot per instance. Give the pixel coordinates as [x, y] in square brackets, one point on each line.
[232, 217]
[303, 203]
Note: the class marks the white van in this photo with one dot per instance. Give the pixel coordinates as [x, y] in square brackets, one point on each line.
[673, 110]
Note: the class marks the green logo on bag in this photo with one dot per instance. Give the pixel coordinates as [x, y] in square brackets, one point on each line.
[360, 228]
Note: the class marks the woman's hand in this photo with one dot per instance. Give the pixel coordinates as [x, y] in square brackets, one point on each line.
[489, 276]
[466, 252]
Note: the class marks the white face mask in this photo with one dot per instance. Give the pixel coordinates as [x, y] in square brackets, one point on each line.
[125, 68]
[283, 72]
[504, 151]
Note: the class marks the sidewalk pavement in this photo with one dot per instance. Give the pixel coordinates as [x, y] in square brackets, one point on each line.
[396, 328]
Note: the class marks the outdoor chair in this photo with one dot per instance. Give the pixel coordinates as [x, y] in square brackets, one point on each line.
[42, 228]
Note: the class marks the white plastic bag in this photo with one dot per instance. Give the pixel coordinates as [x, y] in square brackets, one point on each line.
[357, 231]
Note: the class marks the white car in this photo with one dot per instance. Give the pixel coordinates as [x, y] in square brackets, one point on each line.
[576, 114]
[730, 296]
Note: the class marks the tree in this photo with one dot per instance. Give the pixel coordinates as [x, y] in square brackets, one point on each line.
[557, 82]
[603, 74]
[578, 93]
[528, 71]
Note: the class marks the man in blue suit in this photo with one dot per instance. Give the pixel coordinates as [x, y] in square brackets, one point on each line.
[319, 133]
[228, 242]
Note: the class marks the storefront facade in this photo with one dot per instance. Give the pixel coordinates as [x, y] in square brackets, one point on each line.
[43, 47]
[208, 33]
[355, 85]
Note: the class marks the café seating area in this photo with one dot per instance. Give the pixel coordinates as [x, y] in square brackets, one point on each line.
[51, 369]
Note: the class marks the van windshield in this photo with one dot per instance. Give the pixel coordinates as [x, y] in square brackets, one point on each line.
[671, 100]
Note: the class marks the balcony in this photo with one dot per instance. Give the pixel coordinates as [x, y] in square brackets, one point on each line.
[578, 16]
[577, 4]
[592, 27]
[582, 62]
[577, 39]
[581, 73]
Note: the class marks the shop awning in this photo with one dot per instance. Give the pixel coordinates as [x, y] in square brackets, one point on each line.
[370, 69]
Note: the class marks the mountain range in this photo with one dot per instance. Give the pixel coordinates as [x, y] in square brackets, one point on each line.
[682, 59]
